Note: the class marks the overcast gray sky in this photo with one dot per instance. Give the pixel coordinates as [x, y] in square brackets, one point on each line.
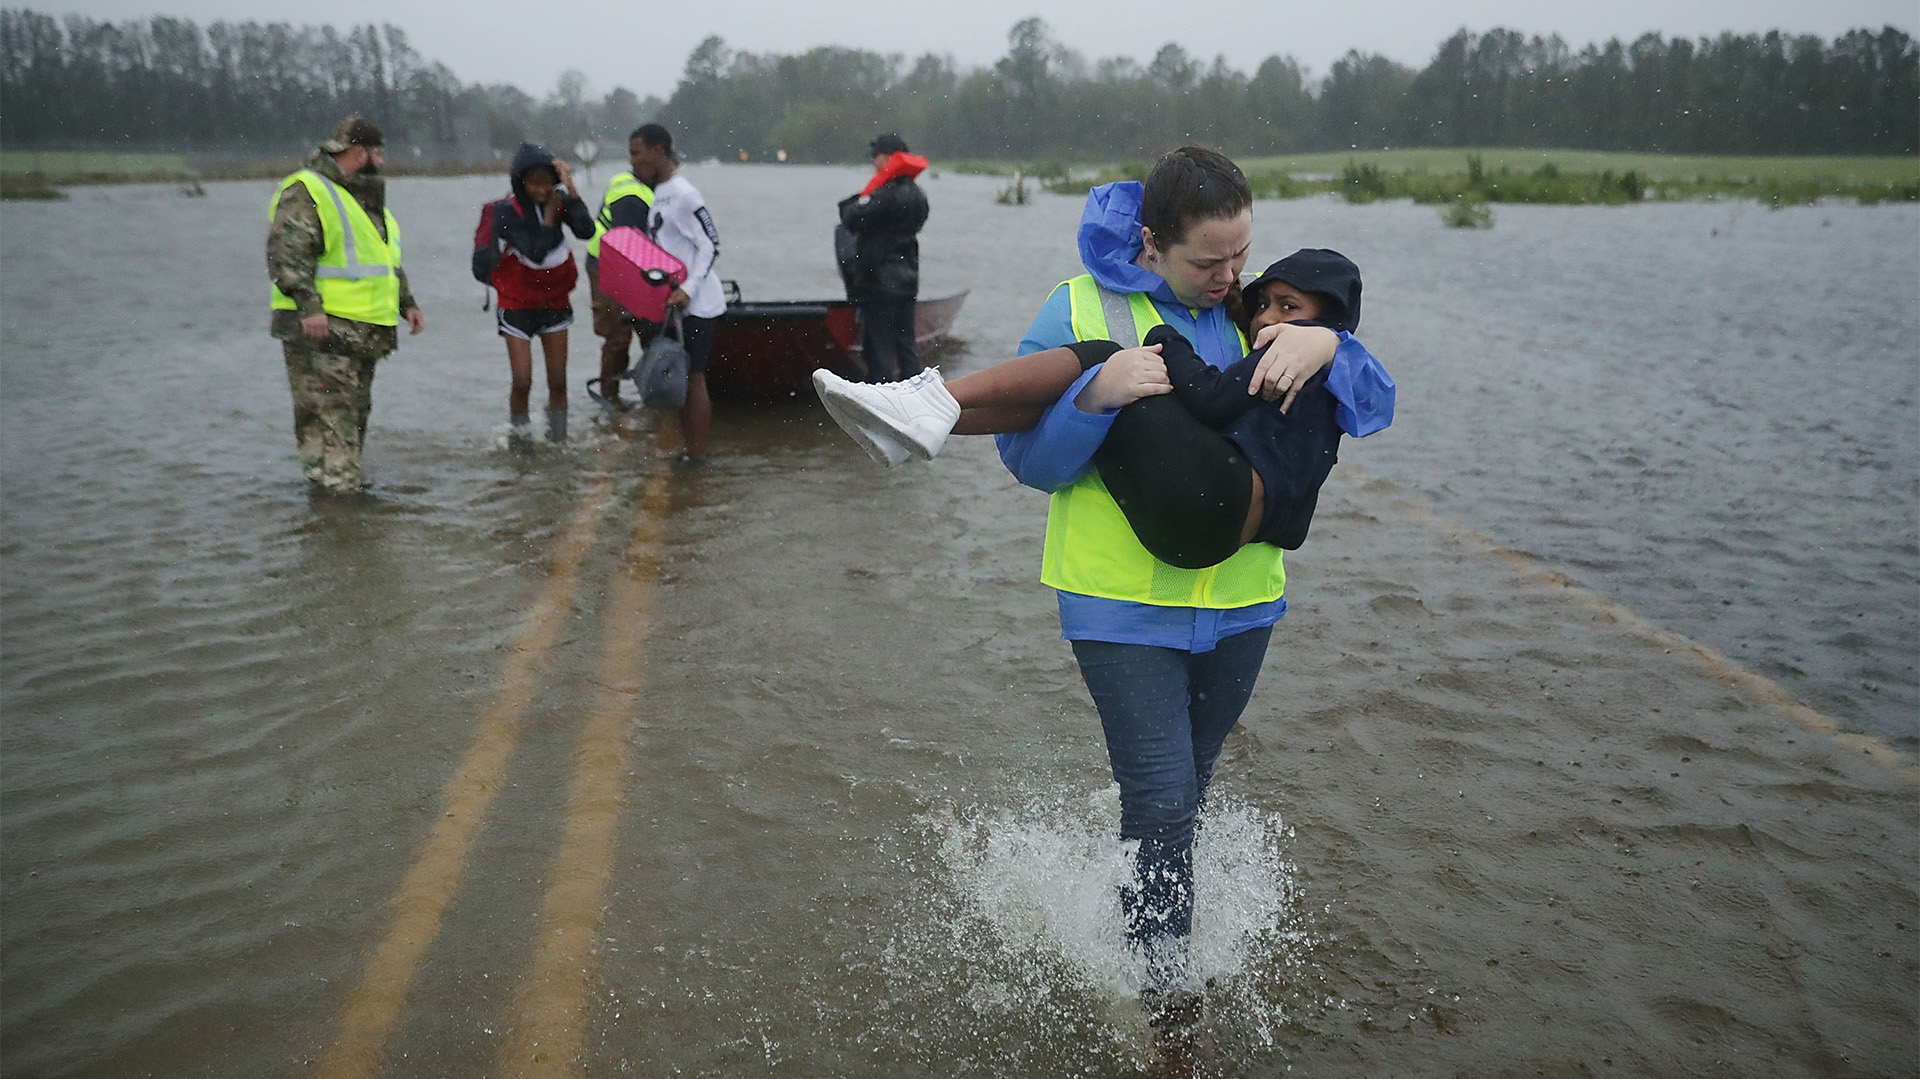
[644, 46]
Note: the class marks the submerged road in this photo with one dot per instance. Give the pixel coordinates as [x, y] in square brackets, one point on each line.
[552, 1000]
[550, 1016]
[1584, 746]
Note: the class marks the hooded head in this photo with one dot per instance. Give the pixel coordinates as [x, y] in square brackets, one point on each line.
[526, 158]
[1329, 276]
[1138, 237]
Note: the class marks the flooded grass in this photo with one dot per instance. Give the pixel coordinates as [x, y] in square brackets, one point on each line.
[1654, 166]
[1480, 817]
[83, 166]
[1425, 176]
[1551, 177]
[31, 185]
[40, 174]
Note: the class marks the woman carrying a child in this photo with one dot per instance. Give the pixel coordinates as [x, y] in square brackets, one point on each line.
[1168, 601]
[1169, 655]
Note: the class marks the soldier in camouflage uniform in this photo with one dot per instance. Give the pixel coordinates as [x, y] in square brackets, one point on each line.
[330, 359]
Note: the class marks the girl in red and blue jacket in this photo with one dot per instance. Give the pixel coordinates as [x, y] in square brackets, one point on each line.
[521, 249]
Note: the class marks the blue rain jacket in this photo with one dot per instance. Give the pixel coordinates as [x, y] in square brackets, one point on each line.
[1060, 449]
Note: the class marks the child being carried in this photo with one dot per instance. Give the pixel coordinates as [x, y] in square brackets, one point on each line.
[1199, 467]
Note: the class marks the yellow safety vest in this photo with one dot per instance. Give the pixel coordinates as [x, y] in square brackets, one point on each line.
[618, 188]
[356, 275]
[1090, 548]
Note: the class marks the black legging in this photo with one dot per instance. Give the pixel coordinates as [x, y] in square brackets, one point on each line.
[1186, 488]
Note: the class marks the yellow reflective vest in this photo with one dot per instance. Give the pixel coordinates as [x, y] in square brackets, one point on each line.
[357, 274]
[618, 188]
[1090, 548]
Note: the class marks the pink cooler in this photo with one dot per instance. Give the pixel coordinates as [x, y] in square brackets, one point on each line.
[637, 274]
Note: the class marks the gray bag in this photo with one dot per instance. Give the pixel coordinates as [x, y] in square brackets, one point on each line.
[660, 377]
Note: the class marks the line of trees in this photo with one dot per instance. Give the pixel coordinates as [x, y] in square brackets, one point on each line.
[1735, 94]
[165, 82]
[1746, 94]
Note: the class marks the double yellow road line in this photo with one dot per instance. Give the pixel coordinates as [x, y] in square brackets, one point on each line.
[550, 1004]
[1757, 688]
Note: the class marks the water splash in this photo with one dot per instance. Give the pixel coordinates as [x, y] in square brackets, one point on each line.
[1026, 934]
[523, 437]
[541, 436]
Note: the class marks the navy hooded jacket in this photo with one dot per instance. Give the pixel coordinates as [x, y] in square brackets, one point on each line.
[1292, 452]
[518, 244]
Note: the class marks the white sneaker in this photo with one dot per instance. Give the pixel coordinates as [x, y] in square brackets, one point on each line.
[916, 414]
[879, 444]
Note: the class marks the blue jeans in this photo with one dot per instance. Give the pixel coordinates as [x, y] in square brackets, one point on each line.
[1166, 713]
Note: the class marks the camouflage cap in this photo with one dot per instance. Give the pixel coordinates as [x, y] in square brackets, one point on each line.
[353, 131]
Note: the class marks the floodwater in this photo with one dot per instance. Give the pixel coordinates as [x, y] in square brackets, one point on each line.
[1588, 747]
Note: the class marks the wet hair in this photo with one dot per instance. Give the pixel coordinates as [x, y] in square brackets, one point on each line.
[653, 135]
[1191, 184]
[1235, 306]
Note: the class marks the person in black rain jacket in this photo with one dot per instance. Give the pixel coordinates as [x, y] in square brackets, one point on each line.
[884, 280]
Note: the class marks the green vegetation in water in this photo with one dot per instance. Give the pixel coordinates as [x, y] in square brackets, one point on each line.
[1467, 214]
[1364, 182]
[23, 172]
[1032, 170]
[1654, 166]
[28, 185]
[1452, 178]
[84, 167]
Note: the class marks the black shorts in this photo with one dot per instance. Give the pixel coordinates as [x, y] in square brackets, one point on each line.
[696, 336]
[530, 323]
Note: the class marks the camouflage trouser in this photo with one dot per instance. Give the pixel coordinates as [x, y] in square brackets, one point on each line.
[332, 394]
[610, 323]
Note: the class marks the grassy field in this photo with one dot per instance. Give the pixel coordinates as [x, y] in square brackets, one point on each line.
[60, 165]
[1654, 167]
[1424, 175]
[1558, 177]
[35, 173]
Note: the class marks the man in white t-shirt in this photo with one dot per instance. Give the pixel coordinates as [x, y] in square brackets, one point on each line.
[680, 223]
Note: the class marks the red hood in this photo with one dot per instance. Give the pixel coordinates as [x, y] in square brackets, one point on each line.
[900, 164]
